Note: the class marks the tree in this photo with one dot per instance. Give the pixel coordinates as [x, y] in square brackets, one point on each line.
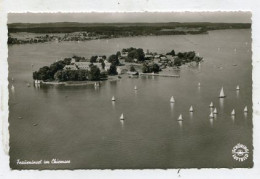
[93, 59]
[146, 68]
[113, 59]
[112, 70]
[177, 61]
[103, 75]
[103, 65]
[94, 73]
[132, 68]
[136, 54]
[172, 53]
[180, 55]
[155, 68]
[118, 54]
[44, 73]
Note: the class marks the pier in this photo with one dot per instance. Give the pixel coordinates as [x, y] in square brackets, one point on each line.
[155, 74]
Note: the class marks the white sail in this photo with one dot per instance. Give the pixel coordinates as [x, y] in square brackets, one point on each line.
[172, 100]
[113, 98]
[198, 84]
[237, 88]
[180, 118]
[135, 88]
[211, 105]
[211, 115]
[215, 111]
[222, 94]
[191, 109]
[245, 109]
[12, 87]
[233, 112]
[122, 117]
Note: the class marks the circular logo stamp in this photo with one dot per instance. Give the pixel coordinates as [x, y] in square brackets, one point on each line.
[240, 152]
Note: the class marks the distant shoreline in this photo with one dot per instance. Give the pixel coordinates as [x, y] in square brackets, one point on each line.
[59, 32]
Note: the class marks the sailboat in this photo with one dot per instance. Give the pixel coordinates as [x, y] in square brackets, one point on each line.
[237, 88]
[222, 95]
[122, 117]
[191, 109]
[215, 111]
[135, 88]
[233, 112]
[12, 87]
[245, 109]
[211, 115]
[113, 98]
[172, 100]
[198, 84]
[180, 118]
[211, 105]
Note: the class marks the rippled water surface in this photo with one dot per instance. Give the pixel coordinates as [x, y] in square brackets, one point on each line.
[82, 125]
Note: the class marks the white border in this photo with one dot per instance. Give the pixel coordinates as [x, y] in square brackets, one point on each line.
[128, 6]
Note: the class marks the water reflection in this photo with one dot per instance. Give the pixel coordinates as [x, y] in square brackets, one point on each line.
[245, 115]
[113, 104]
[180, 124]
[233, 118]
[12, 89]
[211, 120]
[172, 107]
[237, 93]
[221, 103]
[122, 122]
[191, 115]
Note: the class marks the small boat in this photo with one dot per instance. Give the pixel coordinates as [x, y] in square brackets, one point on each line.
[198, 84]
[237, 88]
[35, 124]
[19, 117]
[113, 98]
[12, 79]
[211, 105]
[211, 115]
[172, 100]
[218, 49]
[245, 109]
[180, 118]
[235, 50]
[135, 88]
[12, 87]
[28, 84]
[191, 109]
[233, 112]
[122, 117]
[221, 94]
[215, 111]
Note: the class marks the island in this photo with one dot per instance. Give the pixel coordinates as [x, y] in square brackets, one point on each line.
[131, 61]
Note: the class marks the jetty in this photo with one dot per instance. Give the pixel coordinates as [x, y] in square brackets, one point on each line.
[162, 75]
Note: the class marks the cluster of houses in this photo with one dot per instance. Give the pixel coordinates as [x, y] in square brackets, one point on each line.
[85, 65]
[162, 60]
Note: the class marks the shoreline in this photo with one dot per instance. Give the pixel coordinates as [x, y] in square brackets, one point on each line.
[85, 40]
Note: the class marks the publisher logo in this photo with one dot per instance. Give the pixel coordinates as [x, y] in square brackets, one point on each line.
[240, 152]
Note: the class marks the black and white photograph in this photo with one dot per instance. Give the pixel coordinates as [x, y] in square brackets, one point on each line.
[165, 90]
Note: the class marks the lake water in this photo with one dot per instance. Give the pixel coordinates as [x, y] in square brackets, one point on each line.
[82, 125]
